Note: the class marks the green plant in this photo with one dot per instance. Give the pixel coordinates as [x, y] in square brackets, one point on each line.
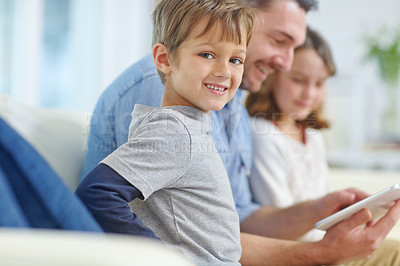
[384, 47]
[386, 53]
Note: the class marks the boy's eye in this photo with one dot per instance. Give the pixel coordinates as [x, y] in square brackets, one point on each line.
[207, 55]
[236, 61]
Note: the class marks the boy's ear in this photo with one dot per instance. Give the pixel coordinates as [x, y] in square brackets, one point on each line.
[160, 57]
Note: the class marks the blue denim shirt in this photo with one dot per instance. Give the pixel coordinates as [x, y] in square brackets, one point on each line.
[141, 84]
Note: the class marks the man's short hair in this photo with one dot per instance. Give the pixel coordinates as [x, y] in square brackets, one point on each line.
[304, 4]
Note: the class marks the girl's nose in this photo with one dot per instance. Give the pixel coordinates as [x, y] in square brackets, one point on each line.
[309, 91]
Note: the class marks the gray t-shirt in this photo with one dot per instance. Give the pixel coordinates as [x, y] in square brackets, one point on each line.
[171, 158]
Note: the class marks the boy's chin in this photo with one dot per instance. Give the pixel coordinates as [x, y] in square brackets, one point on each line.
[217, 108]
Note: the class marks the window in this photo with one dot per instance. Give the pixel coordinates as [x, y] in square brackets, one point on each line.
[63, 53]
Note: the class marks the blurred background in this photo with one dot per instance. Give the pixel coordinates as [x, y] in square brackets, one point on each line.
[363, 99]
[64, 53]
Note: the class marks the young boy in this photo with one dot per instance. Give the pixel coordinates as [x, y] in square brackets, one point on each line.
[169, 173]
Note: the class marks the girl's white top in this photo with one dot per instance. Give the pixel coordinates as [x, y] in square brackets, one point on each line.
[285, 171]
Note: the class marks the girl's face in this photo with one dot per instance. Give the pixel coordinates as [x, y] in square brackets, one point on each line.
[301, 90]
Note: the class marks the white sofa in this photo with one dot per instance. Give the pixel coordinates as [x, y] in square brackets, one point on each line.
[66, 248]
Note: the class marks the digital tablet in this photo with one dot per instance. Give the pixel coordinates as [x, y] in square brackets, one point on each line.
[378, 204]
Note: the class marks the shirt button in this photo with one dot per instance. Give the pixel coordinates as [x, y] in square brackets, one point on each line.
[248, 172]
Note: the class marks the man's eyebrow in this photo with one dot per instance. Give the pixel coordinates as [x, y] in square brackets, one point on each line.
[290, 37]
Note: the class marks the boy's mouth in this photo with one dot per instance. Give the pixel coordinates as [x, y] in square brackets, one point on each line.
[216, 87]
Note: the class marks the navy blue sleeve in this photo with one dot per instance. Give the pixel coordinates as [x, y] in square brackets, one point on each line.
[106, 194]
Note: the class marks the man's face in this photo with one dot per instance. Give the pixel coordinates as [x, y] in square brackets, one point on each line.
[277, 31]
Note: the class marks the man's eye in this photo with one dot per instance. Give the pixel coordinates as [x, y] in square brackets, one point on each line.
[207, 55]
[279, 41]
[236, 61]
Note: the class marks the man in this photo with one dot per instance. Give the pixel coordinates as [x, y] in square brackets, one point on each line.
[280, 27]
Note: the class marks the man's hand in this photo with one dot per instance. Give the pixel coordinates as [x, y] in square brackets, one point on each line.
[348, 241]
[335, 201]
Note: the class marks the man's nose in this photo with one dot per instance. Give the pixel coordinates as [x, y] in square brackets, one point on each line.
[283, 62]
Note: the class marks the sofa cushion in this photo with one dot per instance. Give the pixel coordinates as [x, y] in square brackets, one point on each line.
[35, 190]
[58, 135]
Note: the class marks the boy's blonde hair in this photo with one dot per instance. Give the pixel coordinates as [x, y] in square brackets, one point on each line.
[173, 21]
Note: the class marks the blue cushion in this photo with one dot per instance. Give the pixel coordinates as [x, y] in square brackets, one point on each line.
[35, 196]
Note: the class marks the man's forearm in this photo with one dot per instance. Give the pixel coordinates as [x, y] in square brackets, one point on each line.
[293, 222]
[258, 250]
[288, 223]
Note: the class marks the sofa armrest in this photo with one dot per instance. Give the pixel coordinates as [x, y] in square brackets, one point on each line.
[58, 247]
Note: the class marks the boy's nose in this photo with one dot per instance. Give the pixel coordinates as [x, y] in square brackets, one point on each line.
[222, 70]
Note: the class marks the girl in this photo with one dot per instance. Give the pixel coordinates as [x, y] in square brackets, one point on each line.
[289, 153]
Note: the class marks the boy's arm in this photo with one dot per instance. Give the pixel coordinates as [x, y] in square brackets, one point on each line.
[107, 195]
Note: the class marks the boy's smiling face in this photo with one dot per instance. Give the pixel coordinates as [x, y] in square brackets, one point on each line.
[206, 70]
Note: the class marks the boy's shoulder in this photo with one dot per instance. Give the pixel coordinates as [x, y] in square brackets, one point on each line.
[178, 120]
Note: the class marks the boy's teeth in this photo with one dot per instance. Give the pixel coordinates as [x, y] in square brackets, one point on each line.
[215, 88]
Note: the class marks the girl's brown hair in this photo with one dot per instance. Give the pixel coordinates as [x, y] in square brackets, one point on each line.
[262, 104]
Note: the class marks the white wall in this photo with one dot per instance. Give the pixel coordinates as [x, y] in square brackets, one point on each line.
[356, 96]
